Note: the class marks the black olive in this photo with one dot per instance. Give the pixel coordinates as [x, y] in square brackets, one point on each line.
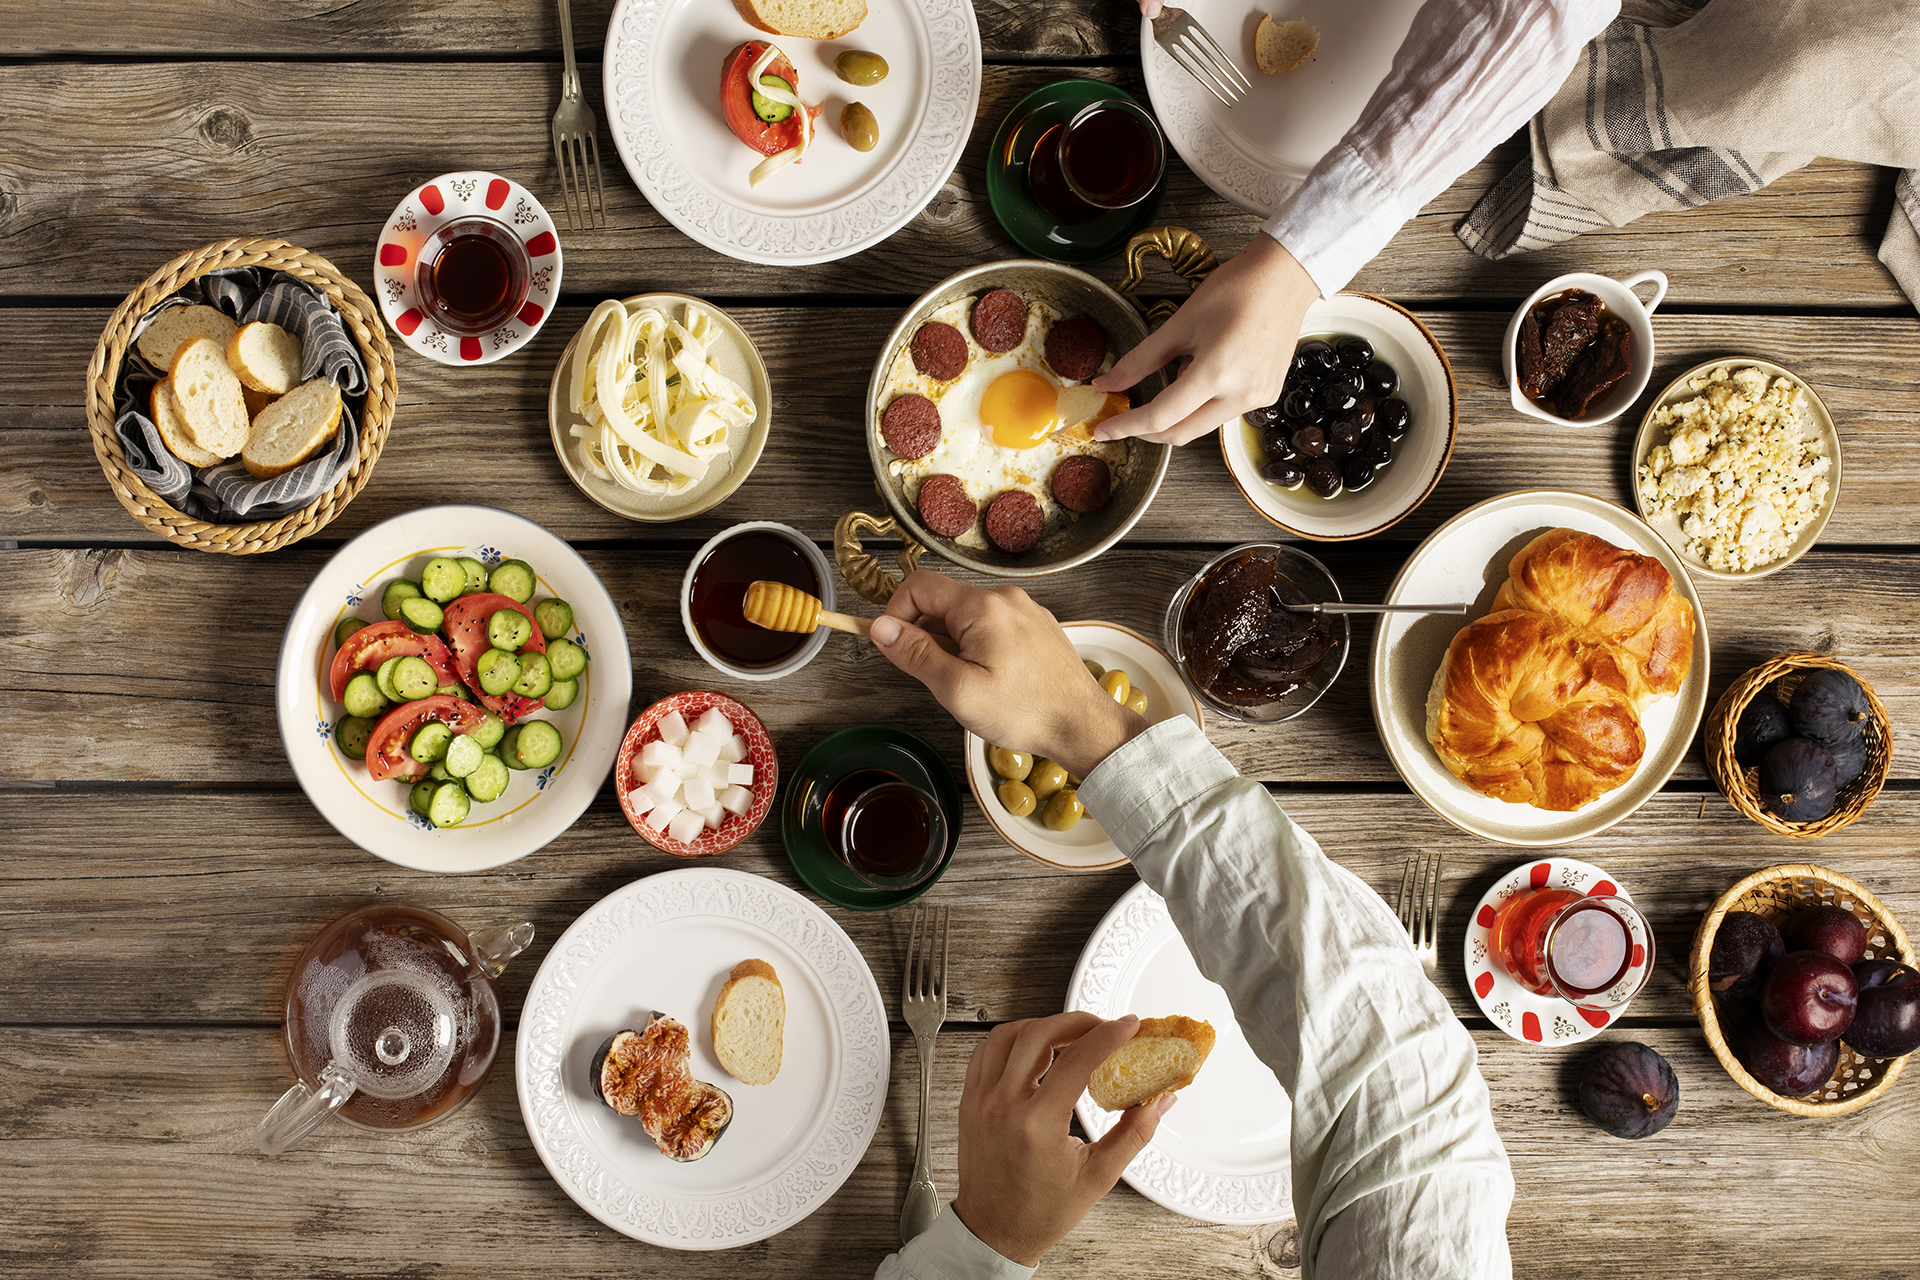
[1356, 353]
[1287, 475]
[1352, 378]
[1276, 442]
[1301, 424]
[1323, 478]
[1356, 471]
[1377, 448]
[1310, 442]
[1297, 403]
[1381, 379]
[1319, 355]
[1394, 416]
[1362, 413]
[1335, 396]
[1342, 434]
[1265, 415]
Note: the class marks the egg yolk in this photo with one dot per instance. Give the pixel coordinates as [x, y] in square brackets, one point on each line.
[1020, 409]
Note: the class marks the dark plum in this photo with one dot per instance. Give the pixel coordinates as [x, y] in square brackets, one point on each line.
[1797, 780]
[1827, 928]
[1356, 353]
[1394, 415]
[1762, 724]
[1323, 477]
[1791, 1070]
[1285, 472]
[1745, 946]
[1808, 998]
[1356, 472]
[1629, 1090]
[1829, 706]
[1887, 1024]
[1381, 379]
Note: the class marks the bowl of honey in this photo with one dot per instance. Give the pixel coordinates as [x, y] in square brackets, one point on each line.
[715, 589]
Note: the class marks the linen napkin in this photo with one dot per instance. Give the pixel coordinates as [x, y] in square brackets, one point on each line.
[1679, 104]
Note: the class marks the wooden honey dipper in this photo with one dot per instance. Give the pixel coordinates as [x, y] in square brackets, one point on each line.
[780, 607]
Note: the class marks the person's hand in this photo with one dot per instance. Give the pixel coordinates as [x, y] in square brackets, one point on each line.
[1236, 333]
[1025, 1180]
[1150, 8]
[1017, 681]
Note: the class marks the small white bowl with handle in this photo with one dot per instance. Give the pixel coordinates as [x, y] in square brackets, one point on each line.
[1618, 297]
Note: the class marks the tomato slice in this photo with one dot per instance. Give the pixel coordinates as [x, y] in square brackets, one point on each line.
[466, 628]
[387, 747]
[370, 646]
[736, 100]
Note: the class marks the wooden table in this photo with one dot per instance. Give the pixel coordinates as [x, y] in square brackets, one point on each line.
[162, 869]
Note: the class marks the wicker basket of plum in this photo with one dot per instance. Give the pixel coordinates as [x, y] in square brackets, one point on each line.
[1805, 986]
[1800, 744]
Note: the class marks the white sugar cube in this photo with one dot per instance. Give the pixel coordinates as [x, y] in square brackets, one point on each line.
[740, 775]
[714, 817]
[660, 753]
[736, 799]
[702, 748]
[686, 769]
[686, 826]
[673, 729]
[716, 773]
[697, 793]
[663, 813]
[735, 749]
[646, 773]
[663, 788]
[714, 725]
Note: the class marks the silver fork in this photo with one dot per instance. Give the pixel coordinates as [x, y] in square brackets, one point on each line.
[1200, 55]
[923, 1003]
[1419, 909]
[575, 148]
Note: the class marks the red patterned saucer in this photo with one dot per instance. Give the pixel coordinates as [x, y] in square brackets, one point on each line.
[426, 208]
[766, 771]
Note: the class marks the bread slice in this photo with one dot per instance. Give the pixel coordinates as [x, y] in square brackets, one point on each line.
[1280, 45]
[1082, 409]
[292, 429]
[1165, 1054]
[173, 430]
[804, 19]
[161, 340]
[266, 357]
[256, 400]
[750, 1023]
[207, 392]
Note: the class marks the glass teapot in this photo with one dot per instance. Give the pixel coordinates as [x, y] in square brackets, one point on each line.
[392, 1021]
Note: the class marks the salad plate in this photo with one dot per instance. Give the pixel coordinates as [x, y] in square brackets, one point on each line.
[662, 74]
[1527, 1017]
[538, 804]
[667, 943]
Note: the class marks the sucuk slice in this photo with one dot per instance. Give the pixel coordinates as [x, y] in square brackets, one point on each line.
[911, 426]
[939, 351]
[645, 1074]
[1076, 348]
[999, 320]
[945, 507]
[466, 628]
[1081, 483]
[1015, 521]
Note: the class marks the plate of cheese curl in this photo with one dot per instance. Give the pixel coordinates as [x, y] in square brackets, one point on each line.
[659, 407]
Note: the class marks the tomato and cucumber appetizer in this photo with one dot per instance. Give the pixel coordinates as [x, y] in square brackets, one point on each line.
[759, 94]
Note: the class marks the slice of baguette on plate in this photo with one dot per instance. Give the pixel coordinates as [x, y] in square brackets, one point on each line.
[749, 1023]
[266, 357]
[292, 429]
[162, 339]
[1282, 44]
[1165, 1054]
[206, 390]
[173, 429]
[804, 19]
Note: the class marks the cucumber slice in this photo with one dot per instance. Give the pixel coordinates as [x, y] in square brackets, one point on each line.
[413, 679]
[397, 590]
[422, 614]
[476, 575]
[536, 677]
[555, 617]
[421, 797]
[538, 745]
[766, 108]
[449, 806]
[497, 669]
[439, 773]
[362, 697]
[492, 729]
[510, 749]
[344, 628]
[489, 781]
[430, 743]
[464, 756]
[384, 678]
[514, 579]
[509, 629]
[351, 735]
[459, 691]
[561, 693]
[567, 659]
[442, 579]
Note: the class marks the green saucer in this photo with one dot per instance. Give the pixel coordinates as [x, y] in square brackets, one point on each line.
[863, 746]
[1033, 228]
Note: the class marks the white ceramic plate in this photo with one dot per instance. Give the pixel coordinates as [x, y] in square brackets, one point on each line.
[1466, 559]
[667, 942]
[737, 359]
[1426, 384]
[1086, 847]
[1820, 425]
[460, 195]
[1529, 1018]
[1256, 152]
[537, 805]
[1223, 1155]
[662, 74]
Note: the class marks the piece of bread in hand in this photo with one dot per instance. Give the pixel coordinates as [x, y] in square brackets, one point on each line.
[804, 19]
[161, 340]
[173, 430]
[292, 429]
[206, 390]
[266, 357]
[1280, 45]
[1165, 1054]
[750, 1023]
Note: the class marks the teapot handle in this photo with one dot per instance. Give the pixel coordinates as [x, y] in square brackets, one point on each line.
[302, 1110]
[495, 945]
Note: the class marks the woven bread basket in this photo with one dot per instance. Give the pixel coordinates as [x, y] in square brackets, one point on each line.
[1777, 893]
[103, 374]
[1742, 784]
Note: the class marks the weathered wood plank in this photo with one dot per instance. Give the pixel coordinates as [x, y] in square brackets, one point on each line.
[456, 429]
[220, 891]
[94, 165]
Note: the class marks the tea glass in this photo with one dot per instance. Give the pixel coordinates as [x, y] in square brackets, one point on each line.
[432, 298]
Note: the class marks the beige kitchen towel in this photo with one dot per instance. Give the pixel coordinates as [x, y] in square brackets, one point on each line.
[1675, 106]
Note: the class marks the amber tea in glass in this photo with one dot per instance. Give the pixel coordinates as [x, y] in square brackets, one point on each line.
[887, 831]
[1595, 952]
[1109, 156]
[472, 275]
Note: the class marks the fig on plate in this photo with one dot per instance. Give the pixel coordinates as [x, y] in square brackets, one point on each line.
[1790, 1070]
[1808, 998]
[1797, 780]
[1745, 946]
[1829, 928]
[1762, 724]
[1629, 1090]
[1829, 707]
[645, 1074]
[1887, 1021]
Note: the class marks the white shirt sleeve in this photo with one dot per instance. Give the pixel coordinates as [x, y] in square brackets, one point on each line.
[1469, 73]
[948, 1251]
[1397, 1169]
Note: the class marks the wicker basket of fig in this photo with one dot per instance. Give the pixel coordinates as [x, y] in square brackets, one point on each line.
[1800, 744]
[1807, 990]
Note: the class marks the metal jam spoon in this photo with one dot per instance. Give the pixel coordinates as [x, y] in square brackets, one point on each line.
[1343, 607]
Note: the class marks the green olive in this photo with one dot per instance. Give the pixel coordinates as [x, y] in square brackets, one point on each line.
[857, 66]
[1018, 797]
[1094, 669]
[1064, 811]
[1117, 685]
[1137, 702]
[1046, 778]
[859, 126]
[1011, 765]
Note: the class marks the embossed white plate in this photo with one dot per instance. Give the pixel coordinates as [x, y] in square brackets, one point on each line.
[666, 943]
[1529, 1018]
[662, 75]
[1221, 1155]
[1257, 151]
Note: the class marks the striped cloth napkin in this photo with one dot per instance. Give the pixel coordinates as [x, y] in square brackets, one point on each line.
[1678, 104]
[225, 492]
